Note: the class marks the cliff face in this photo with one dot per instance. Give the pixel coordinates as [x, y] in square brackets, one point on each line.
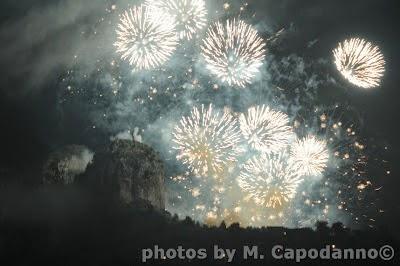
[129, 171]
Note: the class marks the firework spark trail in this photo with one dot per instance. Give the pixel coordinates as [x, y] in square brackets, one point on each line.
[189, 15]
[360, 62]
[233, 52]
[265, 129]
[146, 37]
[310, 155]
[207, 141]
[270, 179]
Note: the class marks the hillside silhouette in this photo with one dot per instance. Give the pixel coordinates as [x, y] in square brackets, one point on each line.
[71, 226]
[115, 210]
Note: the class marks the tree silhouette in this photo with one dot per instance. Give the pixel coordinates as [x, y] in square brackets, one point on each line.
[338, 229]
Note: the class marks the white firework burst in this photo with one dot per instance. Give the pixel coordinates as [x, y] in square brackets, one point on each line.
[270, 180]
[207, 141]
[360, 62]
[233, 52]
[189, 15]
[265, 129]
[146, 37]
[310, 155]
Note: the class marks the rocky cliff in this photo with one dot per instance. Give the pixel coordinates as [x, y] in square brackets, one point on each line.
[65, 164]
[130, 172]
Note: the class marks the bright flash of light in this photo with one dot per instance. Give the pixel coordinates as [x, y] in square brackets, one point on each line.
[207, 141]
[146, 37]
[189, 15]
[233, 52]
[360, 62]
[310, 155]
[265, 129]
[270, 180]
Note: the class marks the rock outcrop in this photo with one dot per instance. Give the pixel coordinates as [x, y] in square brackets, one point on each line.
[130, 172]
[64, 165]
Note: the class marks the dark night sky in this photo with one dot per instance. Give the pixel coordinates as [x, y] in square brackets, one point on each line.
[32, 124]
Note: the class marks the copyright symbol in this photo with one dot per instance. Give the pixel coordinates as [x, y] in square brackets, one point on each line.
[386, 252]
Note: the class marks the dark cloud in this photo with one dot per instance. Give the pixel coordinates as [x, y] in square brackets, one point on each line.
[46, 38]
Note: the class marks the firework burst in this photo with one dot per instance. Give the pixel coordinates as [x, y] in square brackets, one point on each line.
[233, 52]
[146, 37]
[345, 185]
[270, 180]
[360, 62]
[310, 155]
[207, 141]
[265, 129]
[189, 15]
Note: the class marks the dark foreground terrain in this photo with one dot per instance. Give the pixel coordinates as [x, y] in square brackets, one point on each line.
[70, 226]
